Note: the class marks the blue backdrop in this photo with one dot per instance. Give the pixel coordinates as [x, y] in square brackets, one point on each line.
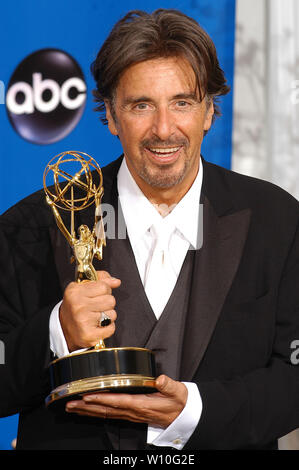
[79, 28]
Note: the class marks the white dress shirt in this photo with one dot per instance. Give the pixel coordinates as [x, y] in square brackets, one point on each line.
[140, 215]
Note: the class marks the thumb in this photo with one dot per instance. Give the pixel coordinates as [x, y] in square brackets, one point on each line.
[111, 281]
[166, 385]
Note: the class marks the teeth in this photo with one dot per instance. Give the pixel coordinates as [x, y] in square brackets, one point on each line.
[168, 150]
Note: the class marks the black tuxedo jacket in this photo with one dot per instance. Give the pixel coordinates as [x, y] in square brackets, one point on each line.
[243, 317]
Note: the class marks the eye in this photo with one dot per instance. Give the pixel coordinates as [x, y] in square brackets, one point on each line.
[141, 106]
[182, 104]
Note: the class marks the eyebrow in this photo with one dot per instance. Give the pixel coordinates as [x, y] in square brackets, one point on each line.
[144, 98]
[186, 96]
[137, 99]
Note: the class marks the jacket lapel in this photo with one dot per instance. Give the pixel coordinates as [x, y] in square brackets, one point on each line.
[215, 266]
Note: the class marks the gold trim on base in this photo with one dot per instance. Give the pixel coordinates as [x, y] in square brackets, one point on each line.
[101, 383]
[101, 350]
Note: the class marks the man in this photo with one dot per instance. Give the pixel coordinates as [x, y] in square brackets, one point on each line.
[221, 321]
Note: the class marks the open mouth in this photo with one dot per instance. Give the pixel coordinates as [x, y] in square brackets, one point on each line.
[164, 154]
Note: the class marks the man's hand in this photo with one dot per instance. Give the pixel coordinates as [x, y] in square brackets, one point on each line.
[81, 308]
[159, 409]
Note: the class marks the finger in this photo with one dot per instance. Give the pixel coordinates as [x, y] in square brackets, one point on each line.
[144, 408]
[106, 277]
[97, 288]
[104, 412]
[90, 331]
[103, 275]
[114, 400]
[106, 317]
[139, 409]
[100, 303]
[94, 318]
[154, 409]
[87, 289]
[134, 407]
[102, 287]
[109, 313]
[167, 386]
[102, 321]
[92, 337]
[95, 409]
[79, 406]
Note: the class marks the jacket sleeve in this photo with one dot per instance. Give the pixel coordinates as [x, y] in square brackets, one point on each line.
[28, 291]
[263, 405]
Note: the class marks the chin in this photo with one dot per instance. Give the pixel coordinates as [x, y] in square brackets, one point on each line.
[158, 180]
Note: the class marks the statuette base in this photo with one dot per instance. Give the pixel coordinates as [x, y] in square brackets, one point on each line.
[123, 370]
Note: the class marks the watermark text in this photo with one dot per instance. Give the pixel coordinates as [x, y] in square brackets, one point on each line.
[2, 353]
[295, 354]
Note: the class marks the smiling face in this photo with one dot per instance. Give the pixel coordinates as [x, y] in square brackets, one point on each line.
[160, 122]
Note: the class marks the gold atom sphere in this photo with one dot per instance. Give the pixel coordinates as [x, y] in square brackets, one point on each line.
[66, 172]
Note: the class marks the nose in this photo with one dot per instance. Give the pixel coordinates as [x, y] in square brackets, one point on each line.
[163, 123]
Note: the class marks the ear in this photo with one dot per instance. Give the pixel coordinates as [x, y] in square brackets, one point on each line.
[209, 116]
[111, 122]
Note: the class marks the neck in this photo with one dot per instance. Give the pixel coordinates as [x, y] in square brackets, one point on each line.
[165, 200]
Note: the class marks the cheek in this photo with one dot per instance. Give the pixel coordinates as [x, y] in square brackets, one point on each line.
[194, 134]
[130, 143]
[191, 124]
[133, 132]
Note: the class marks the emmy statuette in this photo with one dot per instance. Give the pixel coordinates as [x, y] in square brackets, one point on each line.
[72, 182]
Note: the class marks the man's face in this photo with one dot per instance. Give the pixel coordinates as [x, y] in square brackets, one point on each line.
[160, 123]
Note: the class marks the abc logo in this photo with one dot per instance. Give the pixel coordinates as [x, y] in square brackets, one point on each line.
[46, 96]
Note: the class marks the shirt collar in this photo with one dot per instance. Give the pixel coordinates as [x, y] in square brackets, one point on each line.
[140, 214]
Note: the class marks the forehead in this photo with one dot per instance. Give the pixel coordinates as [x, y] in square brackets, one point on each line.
[162, 76]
